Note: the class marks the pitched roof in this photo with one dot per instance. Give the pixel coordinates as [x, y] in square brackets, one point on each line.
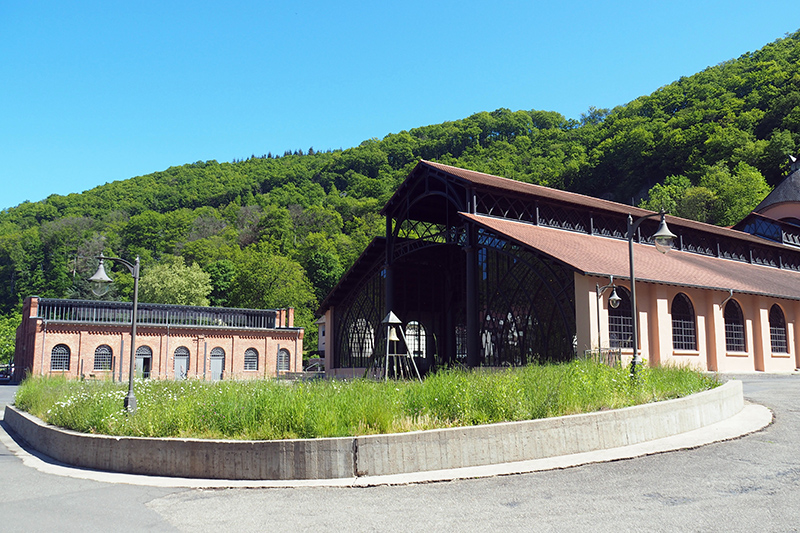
[487, 181]
[786, 191]
[355, 275]
[596, 255]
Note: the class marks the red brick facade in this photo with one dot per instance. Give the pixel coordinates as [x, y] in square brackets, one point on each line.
[39, 339]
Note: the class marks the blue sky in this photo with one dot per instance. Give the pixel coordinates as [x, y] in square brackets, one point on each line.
[94, 92]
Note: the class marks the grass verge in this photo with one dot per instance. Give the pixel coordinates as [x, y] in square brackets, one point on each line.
[278, 410]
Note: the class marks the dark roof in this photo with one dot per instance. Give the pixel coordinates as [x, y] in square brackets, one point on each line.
[488, 182]
[581, 251]
[363, 266]
[785, 192]
[596, 255]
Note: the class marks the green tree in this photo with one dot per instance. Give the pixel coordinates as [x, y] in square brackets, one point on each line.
[321, 262]
[737, 192]
[221, 274]
[8, 335]
[667, 195]
[266, 280]
[697, 204]
[173, 282]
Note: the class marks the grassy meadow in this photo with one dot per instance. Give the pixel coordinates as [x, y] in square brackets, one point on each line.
[257, 410]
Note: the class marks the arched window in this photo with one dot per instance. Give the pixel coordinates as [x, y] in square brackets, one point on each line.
[361, 340]
[181, 363]
[102, 357]
[684, 331]
[251, 359]
[217, 363]
[734, 328]
[461, 343]
[283, 360]
[144, 357]
[59, 357]
[620, 323]
[415, 337]
[777, 330]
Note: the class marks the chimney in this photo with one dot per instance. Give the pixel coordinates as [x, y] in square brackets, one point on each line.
[290, 317]
[32, 305]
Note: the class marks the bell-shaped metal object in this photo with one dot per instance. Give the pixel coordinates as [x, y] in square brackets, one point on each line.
[663, 237]
[100, 281]
[614, 300]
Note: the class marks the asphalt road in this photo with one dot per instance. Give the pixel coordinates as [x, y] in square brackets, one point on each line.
[748, 484]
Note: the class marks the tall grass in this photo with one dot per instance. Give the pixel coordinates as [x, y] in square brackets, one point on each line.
[278, 410]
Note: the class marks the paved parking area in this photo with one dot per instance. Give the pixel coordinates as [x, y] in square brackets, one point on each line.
[748, 484]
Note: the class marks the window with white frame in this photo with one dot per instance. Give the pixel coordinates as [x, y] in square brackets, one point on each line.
[102, 357]
[251, 359]
[415, 337]
[361, 339]
[777, 330]
[59, 357]
[283, 360]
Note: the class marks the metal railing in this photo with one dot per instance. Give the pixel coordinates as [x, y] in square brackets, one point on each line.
[101, 312]
[607, 356]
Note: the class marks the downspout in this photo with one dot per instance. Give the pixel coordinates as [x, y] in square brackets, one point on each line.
[471, 250]
[389, 266]
[722, 305]
[121, 352]
[166, 362]
[41, 359]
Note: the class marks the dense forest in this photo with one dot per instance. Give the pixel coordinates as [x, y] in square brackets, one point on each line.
[279, 230]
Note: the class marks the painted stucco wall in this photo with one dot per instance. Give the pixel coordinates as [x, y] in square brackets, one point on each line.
[655, 326]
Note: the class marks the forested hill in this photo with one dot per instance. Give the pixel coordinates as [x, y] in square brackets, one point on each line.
[707, 146]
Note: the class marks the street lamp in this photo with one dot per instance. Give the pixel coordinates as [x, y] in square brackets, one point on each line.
[100, 285]
[613, 301]
[663, 241]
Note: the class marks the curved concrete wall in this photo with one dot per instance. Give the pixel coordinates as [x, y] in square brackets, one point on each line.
[375, 455]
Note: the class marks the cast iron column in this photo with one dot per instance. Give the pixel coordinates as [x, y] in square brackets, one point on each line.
[473, 333]
[389, 268]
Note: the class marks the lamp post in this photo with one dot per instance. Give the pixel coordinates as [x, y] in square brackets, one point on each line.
[663, 241]
[101, 282]
[613, 301]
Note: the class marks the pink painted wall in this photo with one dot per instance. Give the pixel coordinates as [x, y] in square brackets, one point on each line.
[655, 327]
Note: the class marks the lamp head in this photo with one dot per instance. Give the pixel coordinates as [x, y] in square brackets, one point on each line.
[663, 237]
[100, 280]
[614, 299]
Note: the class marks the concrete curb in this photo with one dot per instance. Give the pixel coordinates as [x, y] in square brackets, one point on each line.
[378, 459]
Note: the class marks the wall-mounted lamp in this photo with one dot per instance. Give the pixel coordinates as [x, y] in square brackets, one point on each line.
[613, 301]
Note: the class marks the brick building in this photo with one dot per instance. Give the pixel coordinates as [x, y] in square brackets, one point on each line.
[91, 339]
